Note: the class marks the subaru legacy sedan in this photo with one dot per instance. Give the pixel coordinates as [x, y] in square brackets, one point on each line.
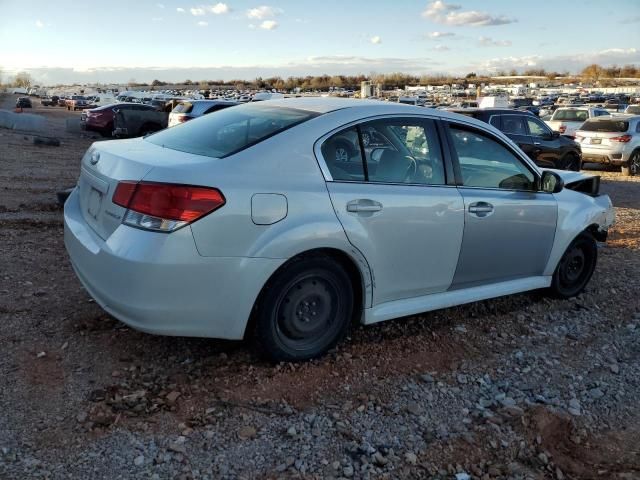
[287, 220]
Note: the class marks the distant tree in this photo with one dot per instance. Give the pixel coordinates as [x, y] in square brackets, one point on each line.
[23, 79]
[187, 82]
[592, 72]
[158, 83]
[471, 75]
[513, 72]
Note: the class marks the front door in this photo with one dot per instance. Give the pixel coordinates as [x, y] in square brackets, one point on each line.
[391, 195]
[509, 225]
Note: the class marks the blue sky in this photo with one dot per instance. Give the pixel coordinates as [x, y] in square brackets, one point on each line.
[65, 40]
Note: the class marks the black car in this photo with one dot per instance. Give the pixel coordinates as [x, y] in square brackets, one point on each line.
[548, 149]
[23, 102]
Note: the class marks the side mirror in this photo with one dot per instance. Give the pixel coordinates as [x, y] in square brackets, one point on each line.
[551, 182]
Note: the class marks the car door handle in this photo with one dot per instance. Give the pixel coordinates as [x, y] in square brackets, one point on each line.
[536, 143]
[363, 206]
[481, 209]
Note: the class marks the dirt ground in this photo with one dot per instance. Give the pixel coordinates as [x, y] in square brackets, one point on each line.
[517, 387]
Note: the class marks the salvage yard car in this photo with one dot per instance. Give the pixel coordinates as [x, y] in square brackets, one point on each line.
[189, 109]
[567, 120]
[613, 140]
[246, 222]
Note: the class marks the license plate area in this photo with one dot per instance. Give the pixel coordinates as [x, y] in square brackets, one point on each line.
[596, 141]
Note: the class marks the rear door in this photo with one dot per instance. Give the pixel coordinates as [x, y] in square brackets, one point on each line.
[514, 126]
[509, 225]
[387, 182]
[546, 148]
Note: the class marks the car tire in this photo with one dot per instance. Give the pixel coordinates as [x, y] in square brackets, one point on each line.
[304, 310]
[572, 162]
[575, 268]
[632, 168]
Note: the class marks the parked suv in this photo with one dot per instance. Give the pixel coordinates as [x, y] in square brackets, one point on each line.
[567, 120]
[547, 148]
[614, 141]
[189, 109]
[23, 102]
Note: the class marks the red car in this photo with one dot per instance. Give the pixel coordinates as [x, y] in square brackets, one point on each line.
[101, 119]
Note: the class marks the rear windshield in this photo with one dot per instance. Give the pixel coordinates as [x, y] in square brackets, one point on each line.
[183, 107]
[571, 115]
[228, 131]
[605, 126]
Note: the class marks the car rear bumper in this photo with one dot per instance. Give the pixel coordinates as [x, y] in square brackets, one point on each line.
[606, 156]
[158, 283]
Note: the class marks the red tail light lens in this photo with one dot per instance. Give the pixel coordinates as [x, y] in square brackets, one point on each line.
[184, 118]
[621, 139]
[165, 207]
[562, 129]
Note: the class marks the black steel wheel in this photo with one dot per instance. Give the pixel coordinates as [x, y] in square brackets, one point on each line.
[575, 267]
[305, 310]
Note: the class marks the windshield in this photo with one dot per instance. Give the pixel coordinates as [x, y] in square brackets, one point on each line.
[230, 130]
[605, 126]
[571, 115]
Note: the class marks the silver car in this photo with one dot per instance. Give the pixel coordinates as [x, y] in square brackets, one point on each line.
[613, 140]
[290, 219]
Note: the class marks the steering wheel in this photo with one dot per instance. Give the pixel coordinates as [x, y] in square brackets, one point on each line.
[412, 170]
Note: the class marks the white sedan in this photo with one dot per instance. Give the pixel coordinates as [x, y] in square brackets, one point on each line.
[289, 219]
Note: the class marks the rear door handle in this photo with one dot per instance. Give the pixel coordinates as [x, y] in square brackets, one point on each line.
[363, 206]
[536, 143]
[481, 209]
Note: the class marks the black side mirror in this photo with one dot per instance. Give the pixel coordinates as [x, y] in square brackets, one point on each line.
[551, 182]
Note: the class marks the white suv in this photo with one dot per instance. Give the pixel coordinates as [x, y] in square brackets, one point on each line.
[567, 120]
[613, 140]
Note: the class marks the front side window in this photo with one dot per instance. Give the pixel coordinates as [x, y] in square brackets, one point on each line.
[536, 127]
[486, 163]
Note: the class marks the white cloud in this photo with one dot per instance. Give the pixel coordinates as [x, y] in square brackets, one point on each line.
[197, 11]
[269, 25]
[450, 14]
[219, 8]
[441, 48]
[438, 35]
[180, 10]
[202, 24]
[490, 42]
[262, 12]
[39, 24]
[376, 40]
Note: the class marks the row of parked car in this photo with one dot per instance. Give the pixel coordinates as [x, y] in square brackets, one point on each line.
[572, 136]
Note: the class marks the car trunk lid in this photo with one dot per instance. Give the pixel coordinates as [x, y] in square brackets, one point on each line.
[107, 163]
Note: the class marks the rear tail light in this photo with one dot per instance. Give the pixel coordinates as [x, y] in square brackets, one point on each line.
[183, 118]
[562, 129]
[621, 139]
[165, 207]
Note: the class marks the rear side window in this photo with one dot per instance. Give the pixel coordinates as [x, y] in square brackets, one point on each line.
[394, 151]
[513, 124]
[605, 126]
[231, 130]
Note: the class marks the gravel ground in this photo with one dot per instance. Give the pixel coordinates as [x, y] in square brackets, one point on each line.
[522, 387]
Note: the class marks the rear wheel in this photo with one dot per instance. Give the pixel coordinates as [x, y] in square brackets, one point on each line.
[305, 309]
[572, 162]
[632, 168]
[575, 267]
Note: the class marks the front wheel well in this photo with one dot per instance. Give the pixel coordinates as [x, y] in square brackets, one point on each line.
[597, 233]
[350, 266]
